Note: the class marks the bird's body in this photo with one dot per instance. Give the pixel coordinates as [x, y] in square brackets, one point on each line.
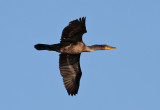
[76, 48]
[71, 46]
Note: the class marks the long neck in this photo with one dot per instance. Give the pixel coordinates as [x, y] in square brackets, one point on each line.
[94, 47]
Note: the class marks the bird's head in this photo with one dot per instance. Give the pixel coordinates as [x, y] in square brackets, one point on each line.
[101, 47]
[107, 47]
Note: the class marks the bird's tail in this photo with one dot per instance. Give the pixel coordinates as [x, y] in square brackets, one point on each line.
[54, 47]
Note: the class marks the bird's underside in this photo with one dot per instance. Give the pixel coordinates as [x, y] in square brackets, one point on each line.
[70, 48]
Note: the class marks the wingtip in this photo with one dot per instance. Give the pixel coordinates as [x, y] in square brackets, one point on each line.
[83, 19]
[72, 94]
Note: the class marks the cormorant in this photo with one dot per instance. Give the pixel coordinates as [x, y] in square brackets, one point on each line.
[70, 48]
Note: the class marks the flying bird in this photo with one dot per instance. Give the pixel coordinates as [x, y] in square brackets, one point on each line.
[70, 48]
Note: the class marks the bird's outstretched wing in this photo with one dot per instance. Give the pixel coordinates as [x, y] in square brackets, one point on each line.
[74, 31]
[71, 72]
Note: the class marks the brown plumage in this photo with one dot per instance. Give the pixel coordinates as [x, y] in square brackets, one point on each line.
[70, 48]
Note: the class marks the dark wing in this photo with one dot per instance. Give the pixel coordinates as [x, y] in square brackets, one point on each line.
[74, 31]
[71, 72]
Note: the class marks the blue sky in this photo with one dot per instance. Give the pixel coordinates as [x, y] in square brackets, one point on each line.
[123, 79]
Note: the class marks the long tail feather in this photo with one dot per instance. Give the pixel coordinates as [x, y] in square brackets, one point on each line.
[54, 47]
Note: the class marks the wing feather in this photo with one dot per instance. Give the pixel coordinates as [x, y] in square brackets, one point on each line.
[71, 72]
[74, 31]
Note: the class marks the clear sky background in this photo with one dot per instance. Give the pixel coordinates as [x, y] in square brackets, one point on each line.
[127, 78]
